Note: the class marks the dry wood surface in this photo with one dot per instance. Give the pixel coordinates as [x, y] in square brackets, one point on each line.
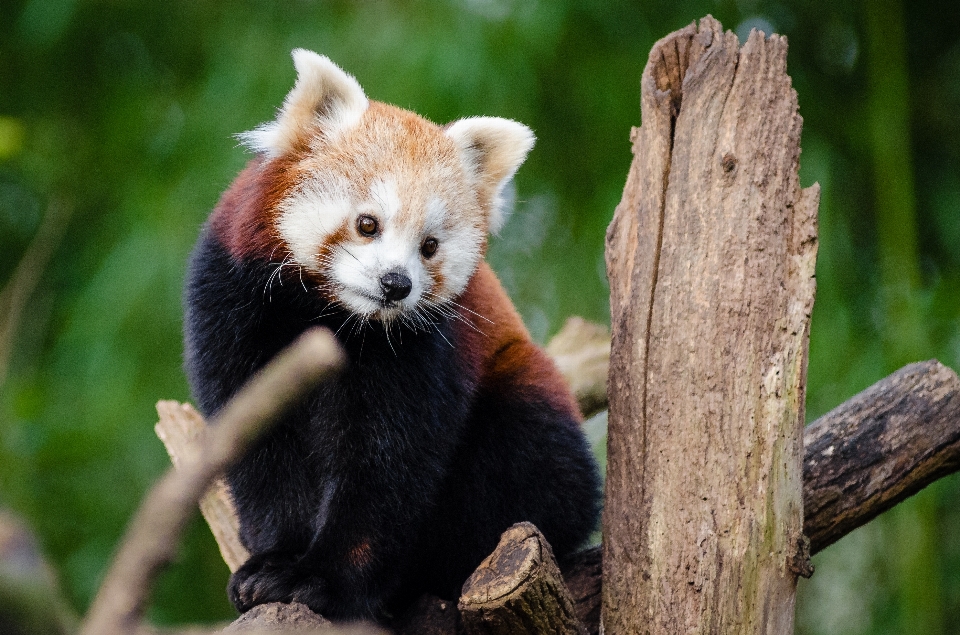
[518, 590]
[875, 450]
[710, 257]
[180, 427]
[889, 442]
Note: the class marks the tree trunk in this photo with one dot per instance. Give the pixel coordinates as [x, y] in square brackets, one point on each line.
[710, 257]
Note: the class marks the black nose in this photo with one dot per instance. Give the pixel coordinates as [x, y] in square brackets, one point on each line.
[396, 286]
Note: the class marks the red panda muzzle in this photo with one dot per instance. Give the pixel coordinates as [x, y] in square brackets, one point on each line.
[395, 286]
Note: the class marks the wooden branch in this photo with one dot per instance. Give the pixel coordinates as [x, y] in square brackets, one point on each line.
[581, 350]
[291, 617]
[294, 618]
[151, 539]
[180, 428]
[888, 442]
[518, 590]
[879, 448]
[710, 257]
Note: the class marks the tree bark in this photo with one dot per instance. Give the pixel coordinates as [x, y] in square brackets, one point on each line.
[180, 427]
[518, 590]
[889, 442]
[710, 257]
[879, 448]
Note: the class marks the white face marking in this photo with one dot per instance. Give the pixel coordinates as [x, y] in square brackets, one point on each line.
[383, 192]
[319, 224]
[359, 267]
[436, 213]
[459, 246]
[310, 216]
[445, 184]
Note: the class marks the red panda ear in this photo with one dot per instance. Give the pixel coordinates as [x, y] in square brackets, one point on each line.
[491, 150]
[325, 99]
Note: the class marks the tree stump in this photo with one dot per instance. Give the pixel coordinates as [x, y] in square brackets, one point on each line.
[710, 257]
[518, 590]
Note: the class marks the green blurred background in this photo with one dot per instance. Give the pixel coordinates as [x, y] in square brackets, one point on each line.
[121, 114]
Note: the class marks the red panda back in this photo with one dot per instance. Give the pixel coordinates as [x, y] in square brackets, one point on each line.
[499, 349]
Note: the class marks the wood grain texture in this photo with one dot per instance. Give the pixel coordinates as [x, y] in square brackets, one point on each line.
[518, 590]
[581, 350]
[889, 442]
[861, 458]
[710, 258]
[879, 448]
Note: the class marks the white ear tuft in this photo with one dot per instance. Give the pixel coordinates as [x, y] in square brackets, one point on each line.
[324, 99]
[491, 149]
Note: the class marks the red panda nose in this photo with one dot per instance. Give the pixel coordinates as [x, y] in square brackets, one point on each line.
[396, 286]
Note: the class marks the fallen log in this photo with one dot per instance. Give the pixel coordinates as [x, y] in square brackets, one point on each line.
[866, 455]
[879, 448]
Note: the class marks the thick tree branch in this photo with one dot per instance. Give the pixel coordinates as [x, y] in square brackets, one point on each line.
[518, 590]
[860, 459]
[879, 448]
[152, 537]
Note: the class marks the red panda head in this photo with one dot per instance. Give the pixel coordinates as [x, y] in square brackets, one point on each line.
[389, 211]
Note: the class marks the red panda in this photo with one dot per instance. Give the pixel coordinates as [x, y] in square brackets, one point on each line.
[449, 424]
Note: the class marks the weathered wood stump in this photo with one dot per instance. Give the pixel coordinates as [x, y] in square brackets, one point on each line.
[710, 310]
[518, 590]
[710, 257]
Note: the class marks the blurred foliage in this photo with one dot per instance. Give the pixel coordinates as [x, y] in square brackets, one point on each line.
[125, 112]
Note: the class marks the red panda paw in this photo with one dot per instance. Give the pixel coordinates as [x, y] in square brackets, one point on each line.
[269, 578]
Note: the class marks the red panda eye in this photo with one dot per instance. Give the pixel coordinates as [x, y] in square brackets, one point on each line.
[429, 247]
[367, 225]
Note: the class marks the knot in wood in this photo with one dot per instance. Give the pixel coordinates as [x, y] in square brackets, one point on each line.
[799, 562]
[728, 163]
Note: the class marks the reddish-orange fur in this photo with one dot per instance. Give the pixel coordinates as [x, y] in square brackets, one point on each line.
[501, 350]
[245, 216]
